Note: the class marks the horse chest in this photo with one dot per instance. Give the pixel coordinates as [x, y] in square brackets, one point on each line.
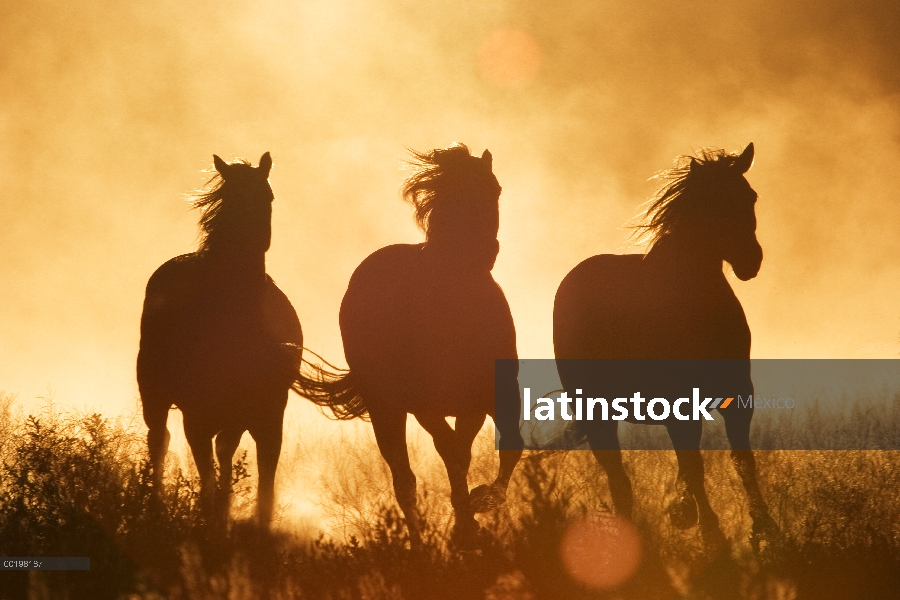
[439, 322]
[693, 321]
[208, 310]
[645, 315]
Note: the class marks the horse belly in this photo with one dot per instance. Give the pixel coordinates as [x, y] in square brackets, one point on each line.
[601, 311]
[428, 348]
[206, 363]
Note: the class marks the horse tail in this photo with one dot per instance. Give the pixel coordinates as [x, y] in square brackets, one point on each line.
[573, 436]
[331, 387]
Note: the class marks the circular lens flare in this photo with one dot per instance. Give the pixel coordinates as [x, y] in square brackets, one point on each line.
[601, 551]
[509, 58]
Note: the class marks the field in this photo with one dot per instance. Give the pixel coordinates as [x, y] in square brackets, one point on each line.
[78, 484]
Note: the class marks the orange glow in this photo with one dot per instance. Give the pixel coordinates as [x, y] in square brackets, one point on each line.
[509, 58]
[111, 110]
[601, 551]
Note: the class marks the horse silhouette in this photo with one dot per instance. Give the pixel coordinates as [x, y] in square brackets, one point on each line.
[422, 326]
[674, 303]
[219, 340]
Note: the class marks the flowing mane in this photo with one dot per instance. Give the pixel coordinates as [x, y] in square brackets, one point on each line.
[448, 184]
[690, 189]
[225, 202]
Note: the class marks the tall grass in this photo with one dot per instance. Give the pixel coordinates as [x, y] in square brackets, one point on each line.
[80, 485]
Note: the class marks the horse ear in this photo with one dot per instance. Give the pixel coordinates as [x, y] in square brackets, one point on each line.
[265, 164]
[220, 165]
[694, 166]
[487, 158]
[745, 160]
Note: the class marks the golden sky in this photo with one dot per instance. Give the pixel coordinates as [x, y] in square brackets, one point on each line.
[109, 111]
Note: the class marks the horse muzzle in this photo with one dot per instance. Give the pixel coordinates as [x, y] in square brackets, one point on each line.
[747, 266]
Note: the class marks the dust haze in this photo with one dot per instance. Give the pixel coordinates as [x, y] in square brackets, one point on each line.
[110, 111]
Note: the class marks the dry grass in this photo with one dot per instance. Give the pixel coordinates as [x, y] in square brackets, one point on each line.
[75, 485]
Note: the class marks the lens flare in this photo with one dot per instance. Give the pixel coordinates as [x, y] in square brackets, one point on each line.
[509, 58]
[601, 551]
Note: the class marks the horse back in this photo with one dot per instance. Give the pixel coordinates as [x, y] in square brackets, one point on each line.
[620, 307]
[594, 305]
[413, 332]
[185, 291]
[279, 317]
[200, 339]
[171, 290]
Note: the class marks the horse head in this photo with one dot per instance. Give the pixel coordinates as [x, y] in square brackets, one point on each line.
[708, 202]
[237, 207]
[456, 197]
[733, 224]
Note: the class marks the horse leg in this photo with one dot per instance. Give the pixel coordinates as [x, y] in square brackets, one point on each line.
[604, 442]
[455, 449]
[686, 440]
[390, 434]
[156, 414]
[200, 441]
[268, 436]
[485, 498]
[737, 428]
[226, 444]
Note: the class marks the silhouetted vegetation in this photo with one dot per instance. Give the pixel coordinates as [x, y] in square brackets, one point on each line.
[80, 485]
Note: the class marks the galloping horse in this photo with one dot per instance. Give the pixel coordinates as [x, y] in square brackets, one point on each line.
[674, 303]
[422, 326]
[219, 340]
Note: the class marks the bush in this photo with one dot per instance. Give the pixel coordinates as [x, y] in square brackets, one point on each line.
[80, 485]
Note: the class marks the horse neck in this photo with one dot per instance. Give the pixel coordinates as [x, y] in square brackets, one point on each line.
[464, 259]
[239, 265]
[686, 256]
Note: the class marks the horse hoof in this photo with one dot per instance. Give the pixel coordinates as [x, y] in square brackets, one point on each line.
[765, 526]
[486, 498]
[468, 537]
[714, 541]
[683, 512]
[764, 529]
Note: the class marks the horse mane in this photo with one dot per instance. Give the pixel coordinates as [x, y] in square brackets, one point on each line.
[685, 193]
[446, 180]
[209, 200]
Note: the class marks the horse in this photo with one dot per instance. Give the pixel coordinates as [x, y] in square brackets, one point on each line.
[422, 325]
[674, 302]
[220, 341]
